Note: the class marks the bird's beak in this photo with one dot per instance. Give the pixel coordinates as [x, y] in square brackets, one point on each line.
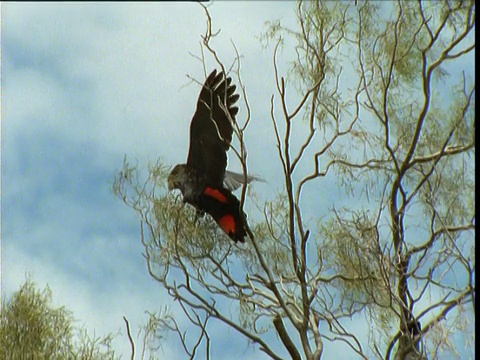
[171, 183]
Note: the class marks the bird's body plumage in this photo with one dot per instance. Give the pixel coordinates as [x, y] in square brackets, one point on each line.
[203, 180]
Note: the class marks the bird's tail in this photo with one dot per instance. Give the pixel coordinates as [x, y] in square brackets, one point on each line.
[224, 207]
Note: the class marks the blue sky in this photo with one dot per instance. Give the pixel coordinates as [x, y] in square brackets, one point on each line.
[82, 86]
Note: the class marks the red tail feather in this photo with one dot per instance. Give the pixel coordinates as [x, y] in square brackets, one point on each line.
[224, 207]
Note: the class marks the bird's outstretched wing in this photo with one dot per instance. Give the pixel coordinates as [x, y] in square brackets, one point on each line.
[211, 128]
[234, 180]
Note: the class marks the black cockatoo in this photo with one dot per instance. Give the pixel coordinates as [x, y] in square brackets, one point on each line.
[203, 180]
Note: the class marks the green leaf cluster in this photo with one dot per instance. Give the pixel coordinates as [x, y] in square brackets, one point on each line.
[32, 328]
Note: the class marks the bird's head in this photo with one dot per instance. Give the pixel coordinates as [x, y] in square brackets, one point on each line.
[176, 177]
